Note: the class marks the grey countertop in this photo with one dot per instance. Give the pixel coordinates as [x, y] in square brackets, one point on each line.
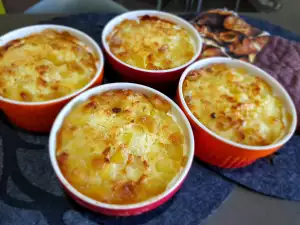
[243, 207]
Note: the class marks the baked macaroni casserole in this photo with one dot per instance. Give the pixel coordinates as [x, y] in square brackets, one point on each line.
[236, 105]
[121, 147]
[151, 43]
[44, 66]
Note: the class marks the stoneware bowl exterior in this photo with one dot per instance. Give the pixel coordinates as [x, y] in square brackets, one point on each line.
[218, 151]
[160, 79]
[131, 209]
[39, 116]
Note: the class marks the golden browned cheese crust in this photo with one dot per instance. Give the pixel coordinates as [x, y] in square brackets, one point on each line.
[236, 105]
[121, 147]
[44, 66]
[151, 43]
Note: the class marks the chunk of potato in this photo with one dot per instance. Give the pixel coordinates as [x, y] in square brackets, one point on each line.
[119, 157]
[133, 173]
[154, 185]
[160, 103]
[165, 166]
[175, 152]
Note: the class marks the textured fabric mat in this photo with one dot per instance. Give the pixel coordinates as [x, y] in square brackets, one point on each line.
[278, 175]
[30, 193]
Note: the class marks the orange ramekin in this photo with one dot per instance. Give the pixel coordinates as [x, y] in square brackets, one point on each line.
[39, 116]
[163, 80]
[128, 209]
[216, 150]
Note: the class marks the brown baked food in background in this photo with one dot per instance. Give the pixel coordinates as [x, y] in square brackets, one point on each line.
[232, 35]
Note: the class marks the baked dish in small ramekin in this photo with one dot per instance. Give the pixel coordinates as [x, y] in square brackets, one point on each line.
[41, 68]
[121, 149]
[151, 47]
[238, 112]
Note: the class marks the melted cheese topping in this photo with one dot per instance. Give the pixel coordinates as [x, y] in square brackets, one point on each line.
[121, 147]
[151, 43]
[44, 66]
[236, 105]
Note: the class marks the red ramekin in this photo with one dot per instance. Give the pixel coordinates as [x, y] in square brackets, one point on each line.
[159, 79]
[131, 209]
[39, 116]
[216, 150]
